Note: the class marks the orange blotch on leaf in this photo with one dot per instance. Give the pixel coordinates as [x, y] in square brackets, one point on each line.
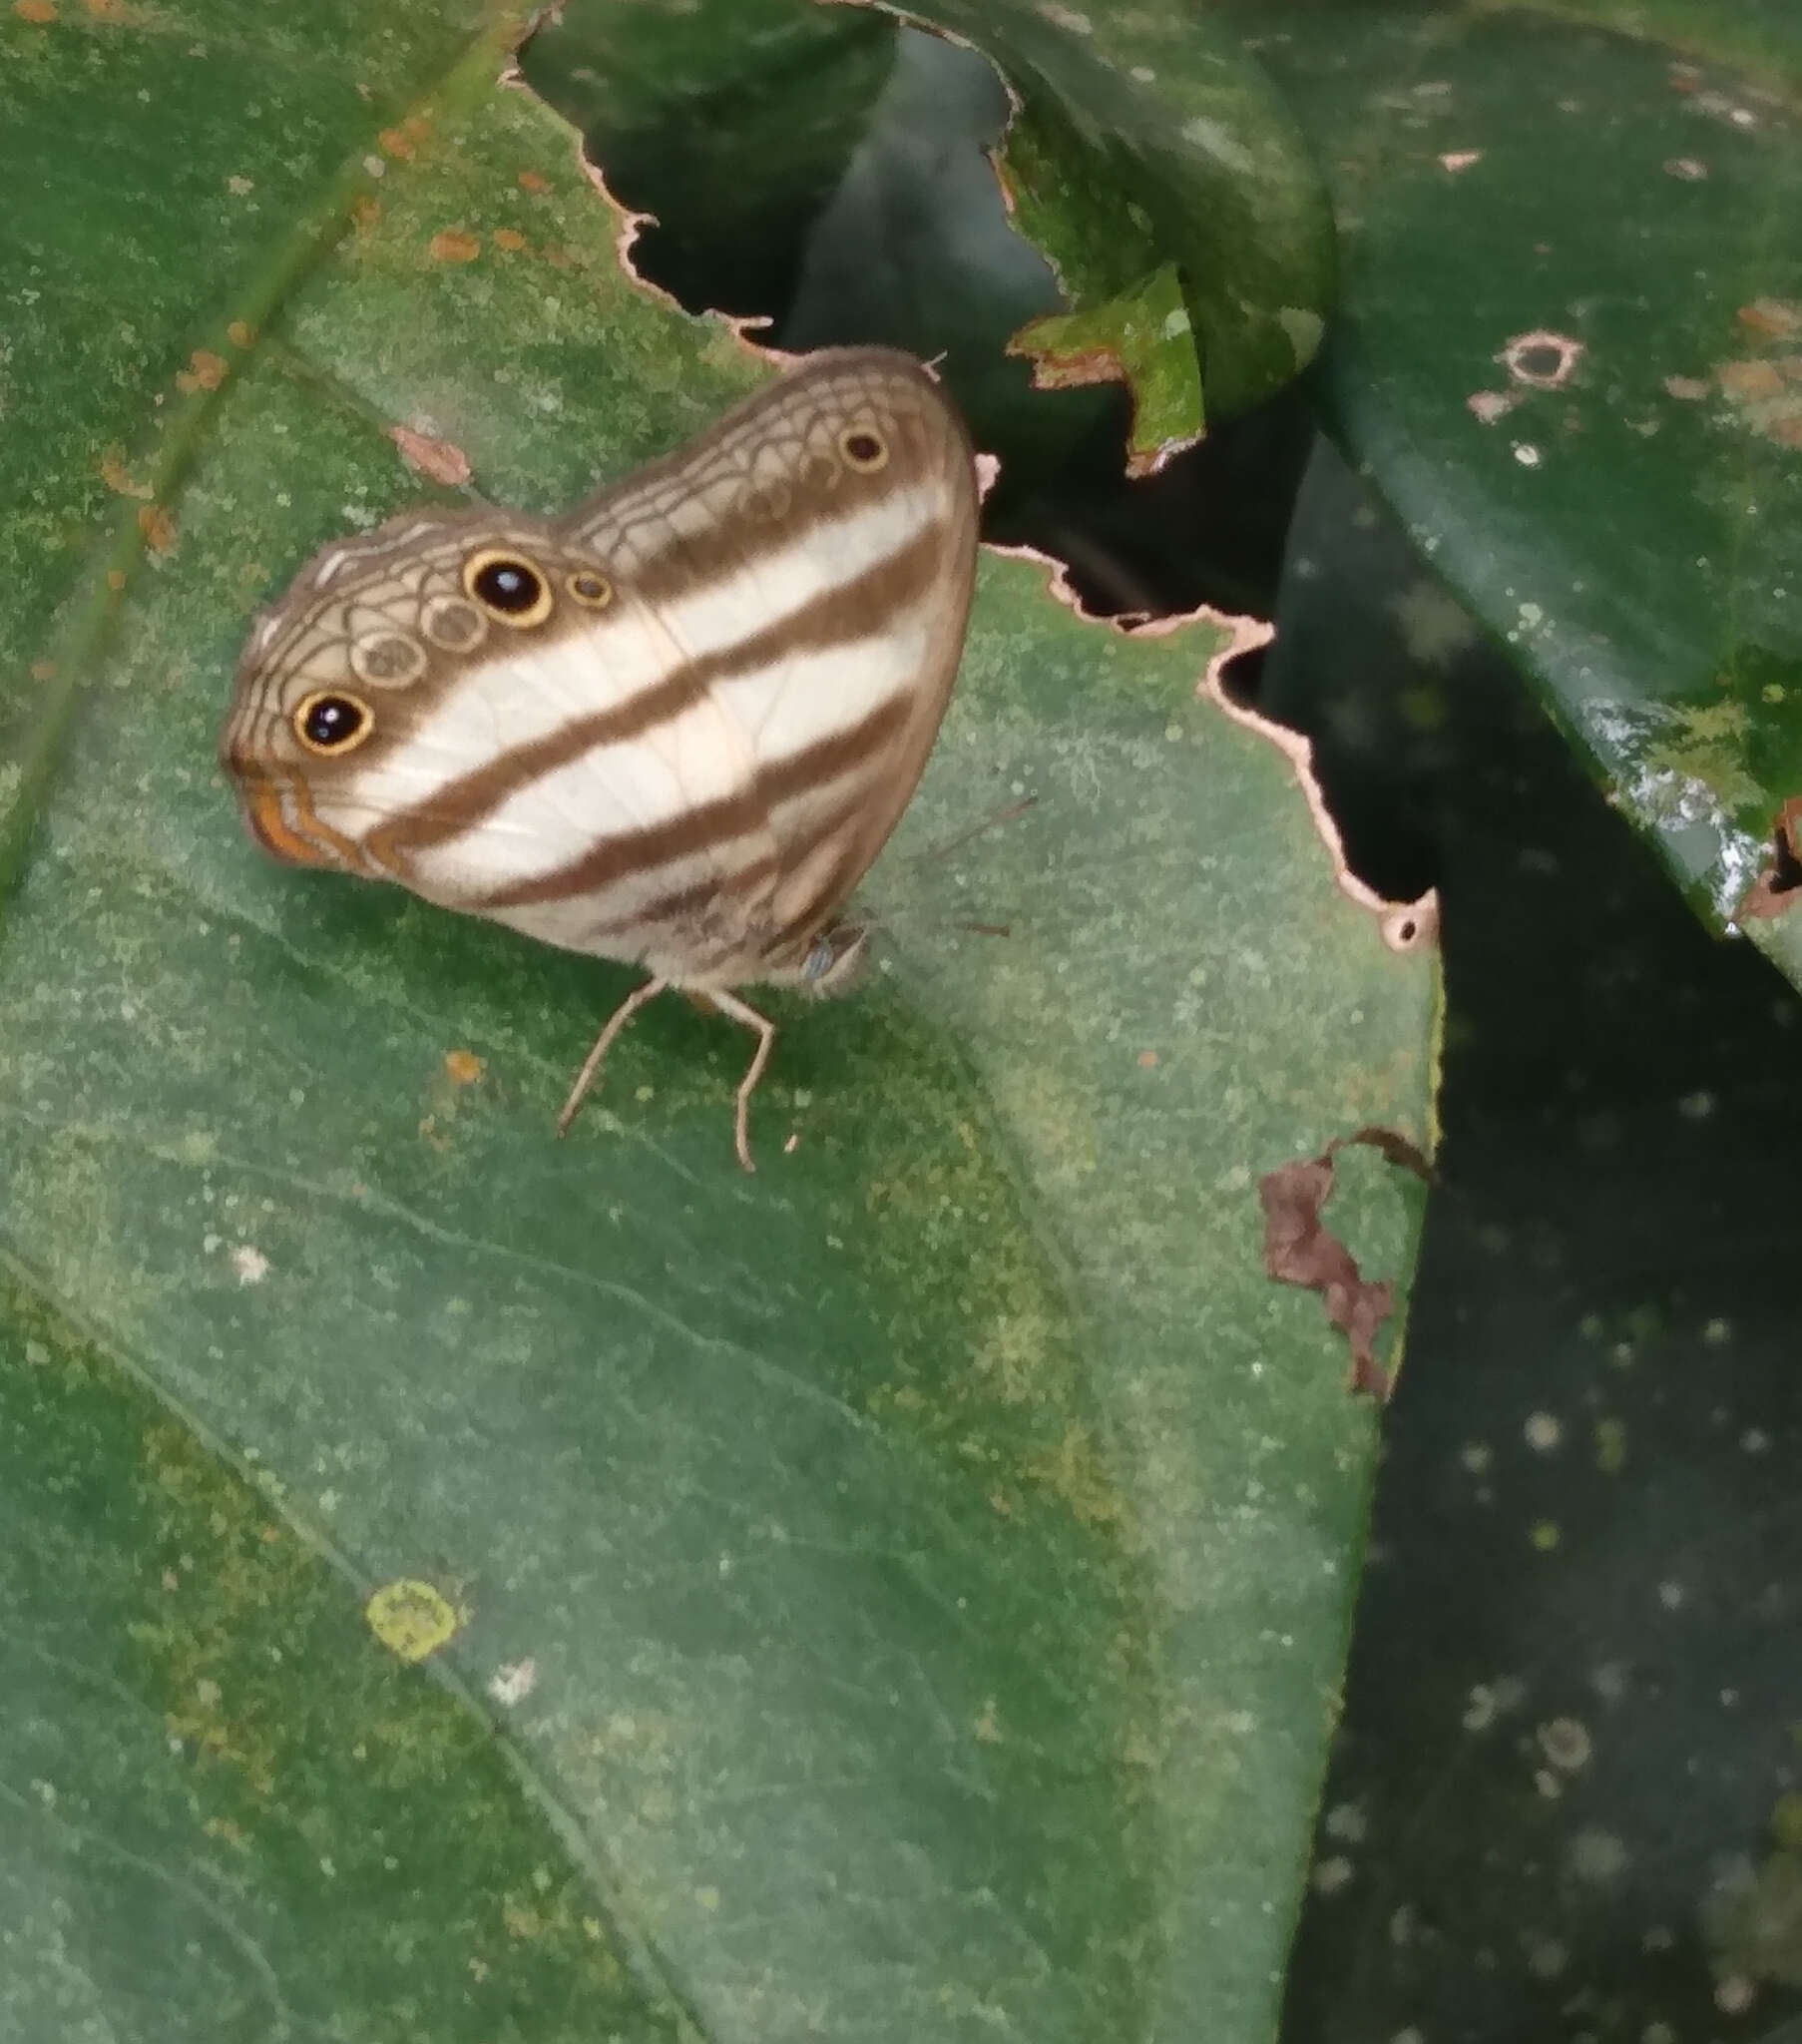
[157, 527]
[239, 333]
[115, 580]
[39, 11]
[509, 238]
[43, 670]
[118, 478]
[204, 371]
[463, 1066]
[1147, 1061]
[1749, 379]
[364, 213]
[442, 460]
[455, 245]
[1774, 318]
[530, 180]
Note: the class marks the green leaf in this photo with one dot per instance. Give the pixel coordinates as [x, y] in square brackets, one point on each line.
[1148, 160]
[1141, 340]
[1572, 357]
[899, 1595]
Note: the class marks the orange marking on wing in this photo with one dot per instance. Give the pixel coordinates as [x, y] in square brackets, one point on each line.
[270, 827]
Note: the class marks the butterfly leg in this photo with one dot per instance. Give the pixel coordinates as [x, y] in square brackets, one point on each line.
[728, 1004]
[617, 1021]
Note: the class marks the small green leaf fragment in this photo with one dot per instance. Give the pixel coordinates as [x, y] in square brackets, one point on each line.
[1142, 338]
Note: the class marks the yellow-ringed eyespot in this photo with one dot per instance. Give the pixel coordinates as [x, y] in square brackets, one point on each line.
[863, 450]
[590, 589]
[508, 586]
[330, 723]
[388, 660]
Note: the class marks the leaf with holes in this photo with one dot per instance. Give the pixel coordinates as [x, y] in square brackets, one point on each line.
[1572, 359]
[463, 1582]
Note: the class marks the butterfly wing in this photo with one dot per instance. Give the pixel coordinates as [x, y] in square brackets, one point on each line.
[675, 727]
[818, 555]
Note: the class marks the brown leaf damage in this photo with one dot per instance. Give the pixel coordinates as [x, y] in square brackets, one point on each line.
[1774, 890]
[1299, 1249]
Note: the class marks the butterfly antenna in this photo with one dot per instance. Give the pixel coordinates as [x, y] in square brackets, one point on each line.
[1011, 813]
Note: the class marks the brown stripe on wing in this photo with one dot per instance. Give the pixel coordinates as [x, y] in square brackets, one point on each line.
[837, 616]
[687, 907]
[617, 857]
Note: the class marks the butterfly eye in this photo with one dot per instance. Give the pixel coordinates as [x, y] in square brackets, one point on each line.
[864, 449]
[328, 722]
[591, 589]
[508, 586]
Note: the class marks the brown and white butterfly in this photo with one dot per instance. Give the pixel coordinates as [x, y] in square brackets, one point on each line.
[672, 727]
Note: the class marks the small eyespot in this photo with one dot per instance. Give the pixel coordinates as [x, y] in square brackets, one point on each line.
[863, 448]
[449, 622]
[508, 586]
[388, 660]
[329, 722]
[594, 590]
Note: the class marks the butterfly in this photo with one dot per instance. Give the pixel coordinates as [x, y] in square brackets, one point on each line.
[671, 727]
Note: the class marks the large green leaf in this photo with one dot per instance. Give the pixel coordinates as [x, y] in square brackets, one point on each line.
[1147, 158]
[899, 1595]
[1621, 497]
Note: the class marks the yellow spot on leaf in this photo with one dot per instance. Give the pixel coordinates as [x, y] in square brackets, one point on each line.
[411, 1618]
[455, 245]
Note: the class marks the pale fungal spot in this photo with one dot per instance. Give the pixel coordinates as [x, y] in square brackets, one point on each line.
[1690, 390]
[1542, 1432]
[1332, 1874]
[513, 1682]
[1526, 454]
[1143, 74]
[1487, 406]
[1455, 160]
[1066, 17]
[1475, 1457]
[1735, 1995]
[1346, 1820]
[1597, 1856]
[1176, 323]
[1670, 1595]
[1565, 1744]
[1213, 137]
[1689, 170]
[251, 1266]
[1542, 359]
[1545, 1958]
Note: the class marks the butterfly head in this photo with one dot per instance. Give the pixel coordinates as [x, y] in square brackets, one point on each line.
[337, 721]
